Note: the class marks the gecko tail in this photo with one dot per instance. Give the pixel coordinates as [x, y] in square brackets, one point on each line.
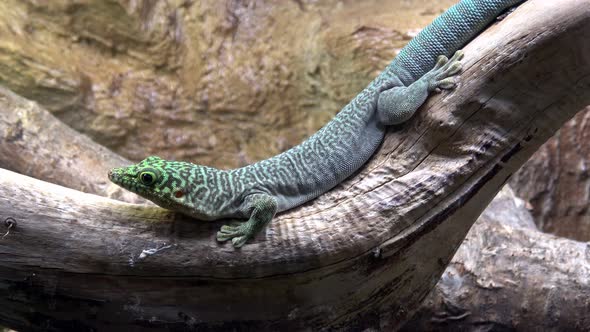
[446, 34]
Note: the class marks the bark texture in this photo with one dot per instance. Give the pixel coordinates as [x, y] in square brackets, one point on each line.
[35, 143]
[509, 276]
[185, 79]
[362, 256]
[556, 181]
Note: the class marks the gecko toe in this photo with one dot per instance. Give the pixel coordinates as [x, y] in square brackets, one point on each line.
[442, 76]
[224, 236]
[228, 229]
[447, 83]
[230, 233]
[239, 241]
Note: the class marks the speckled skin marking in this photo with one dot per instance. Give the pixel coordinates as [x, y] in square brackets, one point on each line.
[258, 191]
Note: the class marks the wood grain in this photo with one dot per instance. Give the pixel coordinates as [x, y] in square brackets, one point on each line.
[35, 143]
[363, 255]
[509, 276]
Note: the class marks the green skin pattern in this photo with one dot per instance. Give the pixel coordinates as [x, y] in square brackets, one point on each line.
[255, 193]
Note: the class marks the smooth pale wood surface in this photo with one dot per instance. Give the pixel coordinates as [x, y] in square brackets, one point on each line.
[363, 255]
[33, 142]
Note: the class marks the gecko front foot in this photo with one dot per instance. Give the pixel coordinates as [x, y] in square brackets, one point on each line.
[238, 234]
[442, 75]
[263, 208]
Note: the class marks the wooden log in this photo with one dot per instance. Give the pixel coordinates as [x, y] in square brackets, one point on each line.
[363, 255]
[556, 179]
[34, 143]
[507, 275]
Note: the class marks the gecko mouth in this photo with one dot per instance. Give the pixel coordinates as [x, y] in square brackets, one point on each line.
[112, 175]
[124, 180]
[116, 177]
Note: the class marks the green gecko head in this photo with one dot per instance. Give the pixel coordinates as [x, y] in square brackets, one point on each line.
[161, 181]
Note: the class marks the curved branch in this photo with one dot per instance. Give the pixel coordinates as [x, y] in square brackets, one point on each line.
[363, 255]
[35, 143]
[507, 275]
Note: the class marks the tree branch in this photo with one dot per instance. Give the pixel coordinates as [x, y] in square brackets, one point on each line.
[363, 255]
[507, 275]
[555, 181]
[33, 142]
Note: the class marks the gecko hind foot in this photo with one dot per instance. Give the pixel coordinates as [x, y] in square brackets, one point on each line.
[442, 76]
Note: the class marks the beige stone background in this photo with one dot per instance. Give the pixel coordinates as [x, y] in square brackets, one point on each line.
[226, 83]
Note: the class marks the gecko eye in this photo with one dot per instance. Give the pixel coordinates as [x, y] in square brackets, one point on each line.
[147, 178]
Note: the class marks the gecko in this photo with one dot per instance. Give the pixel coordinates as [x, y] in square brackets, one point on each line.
[255, 193]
